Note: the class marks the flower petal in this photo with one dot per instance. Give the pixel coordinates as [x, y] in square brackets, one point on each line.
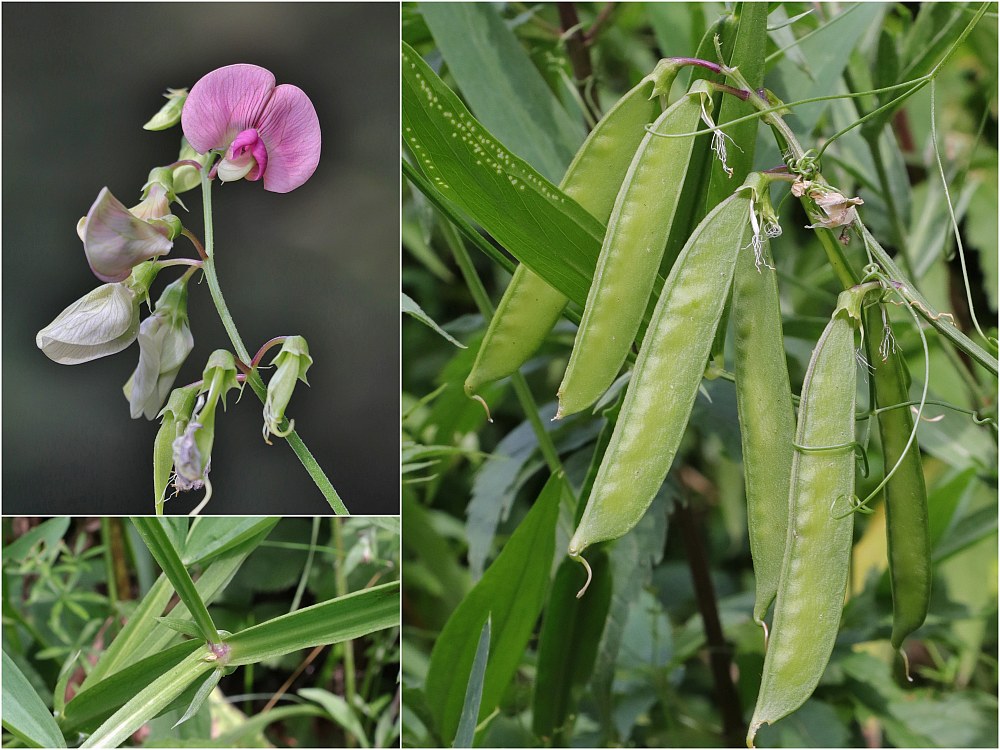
[289, 128]
[103, 322]
[225, 102]
[115, 240]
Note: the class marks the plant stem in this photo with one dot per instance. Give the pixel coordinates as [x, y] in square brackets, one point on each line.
[482, 300]
[312, 467]
[719, 651]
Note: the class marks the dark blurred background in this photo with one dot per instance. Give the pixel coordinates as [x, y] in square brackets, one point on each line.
[79, 80]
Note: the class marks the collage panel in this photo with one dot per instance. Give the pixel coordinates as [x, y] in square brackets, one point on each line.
[699, 374]
[207, 632]
[127, 285]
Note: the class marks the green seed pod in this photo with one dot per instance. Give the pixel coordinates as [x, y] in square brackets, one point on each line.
[821, 522]
[767, 419]
[530, 307]
[631, 253]
[668, 372]
[907, 524]
[292, 362]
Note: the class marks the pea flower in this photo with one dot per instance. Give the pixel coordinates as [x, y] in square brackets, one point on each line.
[165, 341]
[102, 322]
[267, 132]
[116, 238]
[839, 210]
[292, 362]
[174, 419]
[193, 448]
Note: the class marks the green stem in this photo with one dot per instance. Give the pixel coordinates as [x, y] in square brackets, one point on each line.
[521, 390]
[309, 462]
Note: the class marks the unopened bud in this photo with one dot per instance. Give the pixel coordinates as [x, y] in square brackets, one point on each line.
[170, 113]
[292, 362]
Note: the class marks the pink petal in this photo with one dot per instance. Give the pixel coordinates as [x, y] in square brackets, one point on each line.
[289, 128]
[115, 240]
[225, 102]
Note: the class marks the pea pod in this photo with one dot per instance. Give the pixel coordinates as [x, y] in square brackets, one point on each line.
[907, 524]
[820, 523]
[667, 372]
[530, 307]
[767, 420]
[631, 252]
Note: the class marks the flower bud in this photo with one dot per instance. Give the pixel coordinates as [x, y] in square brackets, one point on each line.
[165, 341]
[292, 362]
[116, 238]
[187, 177]
[170, 113]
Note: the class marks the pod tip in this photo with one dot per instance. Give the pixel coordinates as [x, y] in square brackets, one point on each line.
[590, 573]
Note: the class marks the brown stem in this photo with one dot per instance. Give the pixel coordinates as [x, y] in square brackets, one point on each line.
[579, 58]
[719, 652]
[602, 18]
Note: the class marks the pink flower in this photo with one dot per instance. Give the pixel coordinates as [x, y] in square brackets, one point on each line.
[268, 131]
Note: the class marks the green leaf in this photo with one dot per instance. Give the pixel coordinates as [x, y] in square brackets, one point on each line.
[199, 698]
[474, 691]
[828, 50]
[92, 706]
[155, 536]
[512, 591]
[211, 536]
[339, 710]
[24, 714]
[142, 634]
[340, 619]
[180, 625]
[525, 212]
[502, 86]
[150, 701]
[409, 306]
[48, 532]
[567, 646]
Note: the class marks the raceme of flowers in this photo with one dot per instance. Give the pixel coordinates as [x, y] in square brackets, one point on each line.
[238, 124]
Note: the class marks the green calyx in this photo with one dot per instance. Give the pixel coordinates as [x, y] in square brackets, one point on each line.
[663, 76]
[142, 278]
[292, 362]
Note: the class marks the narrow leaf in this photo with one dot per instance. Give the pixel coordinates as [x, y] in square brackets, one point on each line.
[142, 634]
[180, 625]
[567, 646]
[474, 692]
[340, 619]
[199, 698]
[24, 714]
[211, 536]
[95, 704]
[408, 305]
[512, 591]
[502, 86]
[155, 536]
[526, 213]
[149, 702]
